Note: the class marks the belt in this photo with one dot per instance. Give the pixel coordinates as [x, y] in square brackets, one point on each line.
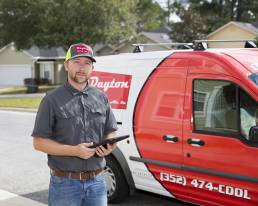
[77, 175]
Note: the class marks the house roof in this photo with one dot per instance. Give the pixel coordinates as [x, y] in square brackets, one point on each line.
[157, 37]
[101, 46]
[253, 28]
[164, 29]
[41, 53]
[160, 35]
[46, 53]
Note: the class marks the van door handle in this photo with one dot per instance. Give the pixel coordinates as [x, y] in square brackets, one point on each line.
[196, 142]
[170, 138]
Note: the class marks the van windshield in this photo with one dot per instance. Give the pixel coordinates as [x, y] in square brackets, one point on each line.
[254, 78]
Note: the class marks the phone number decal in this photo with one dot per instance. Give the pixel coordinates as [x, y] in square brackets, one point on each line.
[196, 183]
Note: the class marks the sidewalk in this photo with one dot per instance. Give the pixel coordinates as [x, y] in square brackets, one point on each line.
[14, 109]
[5, 96]
[10, 199]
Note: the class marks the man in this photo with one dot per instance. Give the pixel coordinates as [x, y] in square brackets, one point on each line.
[69, 120]
[253, 132]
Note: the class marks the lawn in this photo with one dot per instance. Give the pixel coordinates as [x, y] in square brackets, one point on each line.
[28, 103]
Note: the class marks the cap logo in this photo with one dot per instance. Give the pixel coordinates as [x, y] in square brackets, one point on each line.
[82, 49]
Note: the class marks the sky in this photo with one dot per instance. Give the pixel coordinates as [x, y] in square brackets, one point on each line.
[163, 4]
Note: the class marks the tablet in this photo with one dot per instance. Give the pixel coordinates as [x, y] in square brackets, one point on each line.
[109, 141]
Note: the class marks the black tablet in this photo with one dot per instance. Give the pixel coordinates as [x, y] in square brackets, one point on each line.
[109, 141]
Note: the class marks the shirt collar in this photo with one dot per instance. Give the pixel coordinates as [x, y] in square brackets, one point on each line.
[74, 91]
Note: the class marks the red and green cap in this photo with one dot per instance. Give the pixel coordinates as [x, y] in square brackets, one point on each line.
[79, 50]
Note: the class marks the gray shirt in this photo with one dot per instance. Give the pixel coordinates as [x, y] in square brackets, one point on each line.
[71, 117]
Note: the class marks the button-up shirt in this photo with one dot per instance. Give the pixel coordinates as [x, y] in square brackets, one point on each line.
[71, 117]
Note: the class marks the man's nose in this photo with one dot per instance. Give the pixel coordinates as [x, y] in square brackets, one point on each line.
[81, 68]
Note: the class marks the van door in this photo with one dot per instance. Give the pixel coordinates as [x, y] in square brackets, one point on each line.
[158, 119]
[219, 158]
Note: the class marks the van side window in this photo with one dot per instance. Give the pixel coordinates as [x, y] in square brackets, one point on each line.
[248, 109]
[215, 108]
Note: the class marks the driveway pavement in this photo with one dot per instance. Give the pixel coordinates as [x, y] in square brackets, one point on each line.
[24, 174]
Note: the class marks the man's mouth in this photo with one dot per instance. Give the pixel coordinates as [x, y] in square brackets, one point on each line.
[80, 74]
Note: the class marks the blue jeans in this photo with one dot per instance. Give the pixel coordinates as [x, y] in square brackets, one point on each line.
[73, 192]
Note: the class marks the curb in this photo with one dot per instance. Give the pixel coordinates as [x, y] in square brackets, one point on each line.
[18, 109]
[13, 96]
[8, 198]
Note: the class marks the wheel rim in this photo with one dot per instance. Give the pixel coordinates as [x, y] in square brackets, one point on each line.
[110, 181]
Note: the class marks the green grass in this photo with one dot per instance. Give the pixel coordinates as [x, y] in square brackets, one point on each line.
[28, 103]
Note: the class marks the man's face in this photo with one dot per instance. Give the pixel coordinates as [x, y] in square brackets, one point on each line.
[79, 69]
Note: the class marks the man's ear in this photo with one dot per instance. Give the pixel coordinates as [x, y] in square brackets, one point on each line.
[66, 65]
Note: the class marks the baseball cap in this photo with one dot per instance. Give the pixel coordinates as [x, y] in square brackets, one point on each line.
[79, 50]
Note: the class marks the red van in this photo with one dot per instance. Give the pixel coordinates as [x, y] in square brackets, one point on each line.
[191, 116]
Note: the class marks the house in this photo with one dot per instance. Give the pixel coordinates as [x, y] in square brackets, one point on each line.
[103, 49]
[160, 35]
[233, 30]
[39, 63]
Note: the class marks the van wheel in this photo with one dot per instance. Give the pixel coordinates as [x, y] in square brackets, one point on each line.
[117, 187]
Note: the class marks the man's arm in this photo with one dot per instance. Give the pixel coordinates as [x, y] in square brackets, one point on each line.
[54, 148]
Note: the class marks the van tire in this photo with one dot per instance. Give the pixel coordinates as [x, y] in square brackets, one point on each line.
[117, 187]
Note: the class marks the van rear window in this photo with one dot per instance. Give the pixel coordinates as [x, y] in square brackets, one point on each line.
[254, 78]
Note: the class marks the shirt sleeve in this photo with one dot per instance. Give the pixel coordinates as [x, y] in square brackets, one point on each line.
[111, 124]
[44, 120]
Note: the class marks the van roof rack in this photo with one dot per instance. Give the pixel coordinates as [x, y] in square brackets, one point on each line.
[197, 45]
[201, 45]
[140, 47]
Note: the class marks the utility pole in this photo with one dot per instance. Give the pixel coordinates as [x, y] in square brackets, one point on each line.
[168, 11]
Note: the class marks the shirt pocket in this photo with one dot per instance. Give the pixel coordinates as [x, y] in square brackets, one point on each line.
[65, 122]
[97, 115]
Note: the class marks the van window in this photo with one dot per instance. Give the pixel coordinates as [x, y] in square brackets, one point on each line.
[217, 109]
[254, 78]
[215, 106]
[248, 108]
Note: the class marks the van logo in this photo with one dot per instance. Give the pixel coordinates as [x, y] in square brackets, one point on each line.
[116, 86]
[106, 85]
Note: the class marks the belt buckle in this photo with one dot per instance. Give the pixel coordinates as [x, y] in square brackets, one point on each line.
[80, 175]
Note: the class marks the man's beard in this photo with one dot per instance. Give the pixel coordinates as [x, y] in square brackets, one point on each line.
[78, 78]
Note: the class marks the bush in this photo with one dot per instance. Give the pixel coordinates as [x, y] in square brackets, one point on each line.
[32, 88]
[30, 81]
[34, 81]
[44, 81]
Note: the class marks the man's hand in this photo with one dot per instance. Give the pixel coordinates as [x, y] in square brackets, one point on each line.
[84, 152]
[102, 151]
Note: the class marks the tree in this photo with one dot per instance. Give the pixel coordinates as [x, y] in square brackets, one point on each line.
[63, 22]
[200, 18]
[19, 21]
[150, 15]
